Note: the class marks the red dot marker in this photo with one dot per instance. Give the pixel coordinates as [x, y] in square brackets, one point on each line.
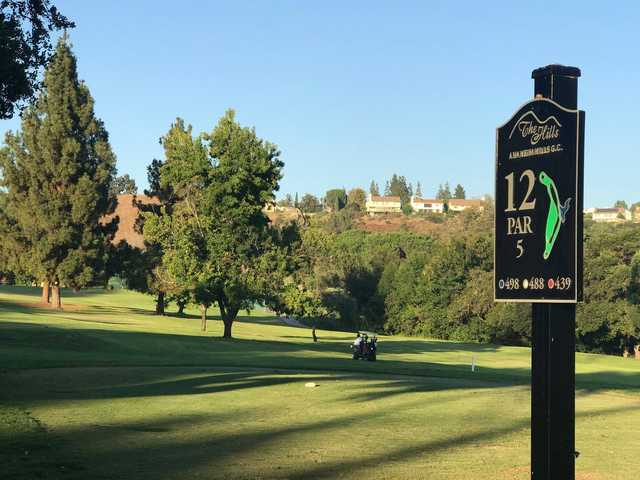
[551, 283]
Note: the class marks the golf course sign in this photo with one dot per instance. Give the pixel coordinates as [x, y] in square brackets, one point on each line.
[537, 210]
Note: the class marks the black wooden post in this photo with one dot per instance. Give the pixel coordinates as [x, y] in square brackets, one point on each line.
[553, 352]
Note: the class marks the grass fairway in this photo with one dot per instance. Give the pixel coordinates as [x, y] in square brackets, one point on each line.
[106, 390]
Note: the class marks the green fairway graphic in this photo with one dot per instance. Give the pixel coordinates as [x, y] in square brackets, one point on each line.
[556, 216]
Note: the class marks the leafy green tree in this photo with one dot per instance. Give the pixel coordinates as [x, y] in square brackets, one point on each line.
[56, 174]
[300, 302]
[25, 47]
[620, 204]
[459, 192]
[357, 198]
[123, 184]
[218, 242]
[374, 189]
[336, 199]
[310, 203]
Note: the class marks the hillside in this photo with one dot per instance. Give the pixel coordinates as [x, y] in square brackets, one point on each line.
[127, 212]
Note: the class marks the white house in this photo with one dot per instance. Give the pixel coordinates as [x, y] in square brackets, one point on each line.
[460, 204]
[376, 205]
[427, 205]
[611, 215]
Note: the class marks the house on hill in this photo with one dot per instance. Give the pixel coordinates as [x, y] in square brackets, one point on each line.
[128, 212]
[611, 215]
[460, 204]
[427, 205]
[376, 204]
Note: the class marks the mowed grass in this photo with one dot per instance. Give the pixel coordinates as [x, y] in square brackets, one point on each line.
[107, 390]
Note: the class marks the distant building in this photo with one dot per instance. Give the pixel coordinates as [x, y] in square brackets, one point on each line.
[611, 215]
[377, 205]
[459, 204]
[427, 205]
[636, 214]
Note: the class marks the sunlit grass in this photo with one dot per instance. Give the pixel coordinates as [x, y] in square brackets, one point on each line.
[134, 395]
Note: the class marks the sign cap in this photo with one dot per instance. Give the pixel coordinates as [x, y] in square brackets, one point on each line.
[556, 70]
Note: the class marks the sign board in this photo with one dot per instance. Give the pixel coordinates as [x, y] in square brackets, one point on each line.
[538, 255]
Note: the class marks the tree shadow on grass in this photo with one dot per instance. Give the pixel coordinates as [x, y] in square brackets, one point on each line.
[168, 448]
[29, 345]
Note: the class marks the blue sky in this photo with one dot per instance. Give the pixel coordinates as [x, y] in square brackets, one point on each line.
[355, 91]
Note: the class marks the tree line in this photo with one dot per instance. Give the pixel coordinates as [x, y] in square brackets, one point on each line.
[338, 198]
[209, 242]
[441, 286]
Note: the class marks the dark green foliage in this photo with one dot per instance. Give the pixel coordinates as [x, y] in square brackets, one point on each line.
[217, 242]
[415, 285]
[444, 193]
[310, 204]
[609, 320]
[374, 189]
[57, 173]
[25, 47]
[352, 271]
[418, 192]
[399, 187]
[357, 199]
[336, 199]
[123, 184]
[459, 192]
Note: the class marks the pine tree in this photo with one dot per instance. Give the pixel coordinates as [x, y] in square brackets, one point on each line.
[387, 189]
[418, 190]
[373, 189]
[446, 192]
[56, 174]
[459, 192]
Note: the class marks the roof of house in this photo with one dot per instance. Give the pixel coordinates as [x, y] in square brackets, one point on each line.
[608, 210]
[463, 202]
[426, 200]
[376, 198]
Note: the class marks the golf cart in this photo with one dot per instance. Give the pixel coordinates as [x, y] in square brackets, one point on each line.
[365, 346]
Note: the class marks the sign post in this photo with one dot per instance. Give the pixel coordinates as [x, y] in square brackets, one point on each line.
[539, 252]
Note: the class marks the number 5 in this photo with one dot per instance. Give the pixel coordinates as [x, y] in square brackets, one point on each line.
[520, 248]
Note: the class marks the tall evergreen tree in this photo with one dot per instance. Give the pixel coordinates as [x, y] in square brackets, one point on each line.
[399, 187]
[444, 193]
[387, 189]
[56, 173]
[447, 191]
[418, 190]
[374, 189]
[459, 192]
